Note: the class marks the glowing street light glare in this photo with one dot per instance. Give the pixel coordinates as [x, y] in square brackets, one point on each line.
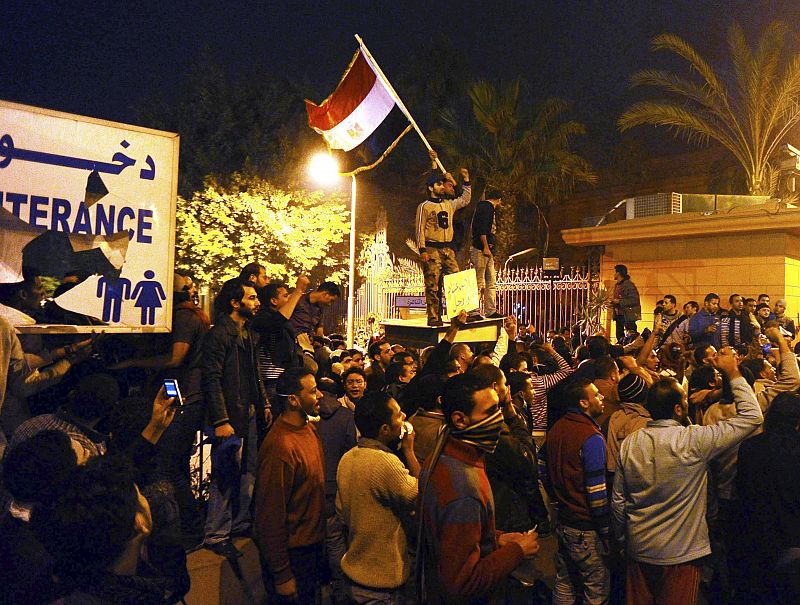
[324, 169]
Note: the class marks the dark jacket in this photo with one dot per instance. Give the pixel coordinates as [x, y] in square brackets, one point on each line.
[337, 431]
[436, 365]
[227, 394]
[376, 378]
[697, 329]
[735, 329]
[514, 479]
[277, 337]
[26, 568]
[629, 306]
[482, 224]
[768, 485]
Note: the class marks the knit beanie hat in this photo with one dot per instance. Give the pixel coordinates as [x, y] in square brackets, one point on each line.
[632, 389]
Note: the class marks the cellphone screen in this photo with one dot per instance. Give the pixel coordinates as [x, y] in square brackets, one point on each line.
[171, 390]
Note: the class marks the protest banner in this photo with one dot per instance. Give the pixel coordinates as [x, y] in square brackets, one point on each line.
[461, 292]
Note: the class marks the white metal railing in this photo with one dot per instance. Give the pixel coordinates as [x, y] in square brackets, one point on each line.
[534, 298]
[525, 292]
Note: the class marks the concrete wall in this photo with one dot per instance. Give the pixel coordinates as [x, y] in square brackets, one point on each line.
[691, 268]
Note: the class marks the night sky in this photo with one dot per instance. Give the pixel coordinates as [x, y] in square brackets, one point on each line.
[102, 60]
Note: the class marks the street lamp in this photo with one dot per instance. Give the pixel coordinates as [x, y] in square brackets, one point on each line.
[324, 169]
[524, 252]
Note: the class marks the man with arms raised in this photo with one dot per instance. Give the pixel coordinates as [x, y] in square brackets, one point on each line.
[660, 488]
[277, 350]
[435, 235]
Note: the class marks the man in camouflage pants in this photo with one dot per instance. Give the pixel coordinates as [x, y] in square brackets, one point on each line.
[435, 235]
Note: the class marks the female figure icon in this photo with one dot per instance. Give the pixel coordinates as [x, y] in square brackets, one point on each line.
[148, 294]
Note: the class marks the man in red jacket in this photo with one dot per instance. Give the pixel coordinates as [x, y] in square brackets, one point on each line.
[290, 494]
[462, 558]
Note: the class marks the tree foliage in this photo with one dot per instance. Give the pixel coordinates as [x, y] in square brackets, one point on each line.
[226, 225]
[524, 150]
[749, 109]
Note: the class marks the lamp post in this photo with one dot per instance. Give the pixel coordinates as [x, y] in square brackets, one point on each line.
[324, 169]
[517, 255]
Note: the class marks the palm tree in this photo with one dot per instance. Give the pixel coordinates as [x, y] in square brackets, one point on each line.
[525, 152]
[750, 115]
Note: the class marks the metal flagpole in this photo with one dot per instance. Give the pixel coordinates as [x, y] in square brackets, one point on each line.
[393, 92]
[352, 279]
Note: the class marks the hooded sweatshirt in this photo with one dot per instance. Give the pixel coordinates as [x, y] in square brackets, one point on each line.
[337, 430]
[628, 419]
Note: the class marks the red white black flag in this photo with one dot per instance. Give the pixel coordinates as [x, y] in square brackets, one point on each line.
[361, 117]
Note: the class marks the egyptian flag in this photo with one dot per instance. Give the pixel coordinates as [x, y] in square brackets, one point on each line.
[360, 118]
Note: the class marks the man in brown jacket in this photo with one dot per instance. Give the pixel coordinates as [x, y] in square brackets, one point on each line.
[290, 494]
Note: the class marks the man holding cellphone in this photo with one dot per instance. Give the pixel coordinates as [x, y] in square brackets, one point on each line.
[181, 362]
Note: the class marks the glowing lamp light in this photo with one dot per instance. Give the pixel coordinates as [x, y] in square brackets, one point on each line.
[324, 169]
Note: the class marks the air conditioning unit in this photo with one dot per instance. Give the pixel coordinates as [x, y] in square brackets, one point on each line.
[653, 205]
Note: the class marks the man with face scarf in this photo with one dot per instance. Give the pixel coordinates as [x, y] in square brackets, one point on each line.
[660, 487]
[461, 557]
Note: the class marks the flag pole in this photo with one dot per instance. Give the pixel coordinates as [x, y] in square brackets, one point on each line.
[393, 92]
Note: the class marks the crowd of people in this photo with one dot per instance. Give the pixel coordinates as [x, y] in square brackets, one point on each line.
[662, 464]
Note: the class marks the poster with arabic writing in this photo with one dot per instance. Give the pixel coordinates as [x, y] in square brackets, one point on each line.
[461, 292]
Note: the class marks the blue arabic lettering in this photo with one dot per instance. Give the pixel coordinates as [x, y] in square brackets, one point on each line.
[148, 173]
[119, 161]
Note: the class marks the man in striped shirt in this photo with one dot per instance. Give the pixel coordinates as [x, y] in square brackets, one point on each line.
[542, 383]
[575, 461]
[277, 350]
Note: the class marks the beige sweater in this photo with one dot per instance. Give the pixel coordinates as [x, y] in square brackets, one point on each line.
[374, 491]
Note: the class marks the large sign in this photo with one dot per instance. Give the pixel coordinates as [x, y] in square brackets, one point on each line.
[94, 200]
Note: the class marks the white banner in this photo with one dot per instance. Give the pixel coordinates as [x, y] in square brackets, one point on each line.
[120, 246]
[461, 292]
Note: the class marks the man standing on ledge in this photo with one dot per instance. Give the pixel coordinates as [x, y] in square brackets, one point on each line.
[626, 300]
[435, 235]
[484, 226]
